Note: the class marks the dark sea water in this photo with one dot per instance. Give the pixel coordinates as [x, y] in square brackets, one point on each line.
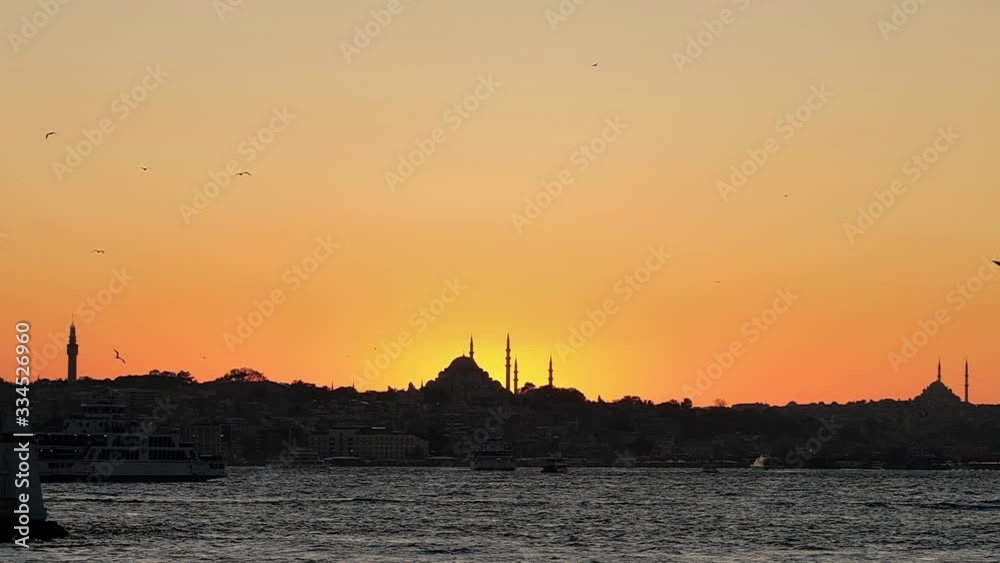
[428, 514]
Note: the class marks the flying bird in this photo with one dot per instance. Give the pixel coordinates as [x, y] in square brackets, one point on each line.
[49, 134]
[97, 251]
[144, 168]
[997, 262]
[244, 173]
[119, 357]
[595, 64]
[786, 196]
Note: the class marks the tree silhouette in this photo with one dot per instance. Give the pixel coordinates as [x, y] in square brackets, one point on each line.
[246, 375]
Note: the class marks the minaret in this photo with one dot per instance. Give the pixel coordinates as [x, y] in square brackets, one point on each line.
[550, 371]
[515, 376]
[508, 362]
[939, 369]
[966, 380]
[472, 349]
[71, 351]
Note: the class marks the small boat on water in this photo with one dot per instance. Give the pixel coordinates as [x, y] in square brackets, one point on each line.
[763, 462]
[555, 464]
[494, 455]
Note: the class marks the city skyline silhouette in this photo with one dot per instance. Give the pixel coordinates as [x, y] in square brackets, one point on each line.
[357, 168]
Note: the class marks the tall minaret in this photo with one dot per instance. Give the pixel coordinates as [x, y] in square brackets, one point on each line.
[71, 351]
[939, 369]
[550, 371]
[967, 380]
[472, 349]
[515, 376]
[508, 362]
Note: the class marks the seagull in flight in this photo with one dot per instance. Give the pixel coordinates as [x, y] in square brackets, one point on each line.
[595, 64]
[119, 357]
[97, 251]
[49, 134]
[997, 262]
[144, 168]
[244, 173]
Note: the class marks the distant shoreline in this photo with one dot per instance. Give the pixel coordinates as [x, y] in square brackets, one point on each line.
[927, 464]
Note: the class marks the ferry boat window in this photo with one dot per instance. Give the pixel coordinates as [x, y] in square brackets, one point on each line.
[160, 442]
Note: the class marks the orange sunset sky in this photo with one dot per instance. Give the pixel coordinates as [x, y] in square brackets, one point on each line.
[355, 103]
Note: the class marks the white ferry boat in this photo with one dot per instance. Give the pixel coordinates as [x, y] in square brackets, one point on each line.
[108, 446]
[495, 455]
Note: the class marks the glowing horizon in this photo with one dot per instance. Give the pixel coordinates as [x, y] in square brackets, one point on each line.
[804, 188]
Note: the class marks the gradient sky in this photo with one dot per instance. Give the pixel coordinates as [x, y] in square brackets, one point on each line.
[656, 185]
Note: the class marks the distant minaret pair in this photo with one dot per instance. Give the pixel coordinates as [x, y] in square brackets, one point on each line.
[507, 365]
[515, 369]
[966, 377]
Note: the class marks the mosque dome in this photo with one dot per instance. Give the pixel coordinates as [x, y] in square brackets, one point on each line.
[463, 364]
[464, 379]
[938, 393]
